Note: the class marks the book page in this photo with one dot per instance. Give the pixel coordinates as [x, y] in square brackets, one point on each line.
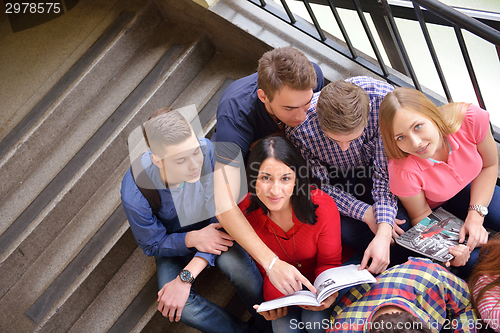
[433, 236]
[337, 278]
[326, 283]
[301, 297]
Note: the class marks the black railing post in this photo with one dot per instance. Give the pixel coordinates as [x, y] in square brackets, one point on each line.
[468, 63]
[388, 41]
[315, 21]
[335, 13]
[370, 37]
[402, 48]
[432, 50]
[288, 12]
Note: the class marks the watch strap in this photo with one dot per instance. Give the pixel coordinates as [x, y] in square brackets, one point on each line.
[479, 209]
[186, 276]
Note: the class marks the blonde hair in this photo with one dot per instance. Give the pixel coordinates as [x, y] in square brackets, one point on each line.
[285, 66]
[165, 127]
[342, 108]
[447, 118]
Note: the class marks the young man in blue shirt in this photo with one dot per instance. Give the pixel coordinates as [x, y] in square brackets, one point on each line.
[183, 235]
[250, 109]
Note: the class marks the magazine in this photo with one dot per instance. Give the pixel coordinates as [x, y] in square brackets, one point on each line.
[433, 235]
[327, 283]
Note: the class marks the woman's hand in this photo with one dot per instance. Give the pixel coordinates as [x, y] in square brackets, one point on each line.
[324, 305]
[287, 279]
[273, 314]
[473, 226]
[461, 253]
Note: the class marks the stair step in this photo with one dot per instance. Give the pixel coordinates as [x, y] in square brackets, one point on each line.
[65, 82]
[122, 289]
[55, 121]
[208, 86]
[44, 151]
[88, 149]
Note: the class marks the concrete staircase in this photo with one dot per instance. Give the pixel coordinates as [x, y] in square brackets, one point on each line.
[68, 260]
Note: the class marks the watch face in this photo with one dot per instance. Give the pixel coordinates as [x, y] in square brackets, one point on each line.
[483, 210]
[185, 276]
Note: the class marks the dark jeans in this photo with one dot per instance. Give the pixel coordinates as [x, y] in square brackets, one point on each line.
[356, 233]
[206, 316]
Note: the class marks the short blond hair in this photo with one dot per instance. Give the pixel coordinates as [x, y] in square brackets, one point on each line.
[447, 118]
[166, 127]
[342, 108]
[285, 66]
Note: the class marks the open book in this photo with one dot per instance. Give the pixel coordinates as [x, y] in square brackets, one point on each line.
[433, 235]
[327, 283]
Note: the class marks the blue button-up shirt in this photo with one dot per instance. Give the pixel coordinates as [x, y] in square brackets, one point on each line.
[183, 209]
[367, 150]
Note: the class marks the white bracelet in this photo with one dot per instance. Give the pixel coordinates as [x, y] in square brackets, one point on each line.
[271, 265]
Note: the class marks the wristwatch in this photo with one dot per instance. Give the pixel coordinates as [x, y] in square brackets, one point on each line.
[482, 210]
[186, 276]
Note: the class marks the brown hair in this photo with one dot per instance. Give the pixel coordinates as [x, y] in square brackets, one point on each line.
[285, 66]
[488, 264]
[342, 107]
[165, 127]
[447, 118]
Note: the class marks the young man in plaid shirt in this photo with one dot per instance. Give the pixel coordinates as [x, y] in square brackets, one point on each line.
[340, 139]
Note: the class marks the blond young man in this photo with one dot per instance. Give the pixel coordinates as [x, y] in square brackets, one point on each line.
[252, 108]
[341, 141]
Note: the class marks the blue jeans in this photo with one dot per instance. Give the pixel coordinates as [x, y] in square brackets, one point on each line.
[459, 206]
[206, 316]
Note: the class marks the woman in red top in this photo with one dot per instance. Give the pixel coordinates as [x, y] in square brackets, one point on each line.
[300, 224]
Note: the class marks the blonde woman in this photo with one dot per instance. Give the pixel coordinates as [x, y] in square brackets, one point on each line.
[446, 157]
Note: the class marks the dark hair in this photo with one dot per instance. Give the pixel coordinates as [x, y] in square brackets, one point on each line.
[399, 322]
[283, 150]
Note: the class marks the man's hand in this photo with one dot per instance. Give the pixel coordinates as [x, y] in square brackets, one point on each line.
[473, 226]
[172, 298]
[324, 305]
[378, 250]
[397, 230]
[461, 253]
[209, 239]
[369, 219]
[273, 314]
[287, 279]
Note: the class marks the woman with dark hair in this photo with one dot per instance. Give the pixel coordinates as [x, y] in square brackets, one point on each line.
[484, 284]
[299, 223]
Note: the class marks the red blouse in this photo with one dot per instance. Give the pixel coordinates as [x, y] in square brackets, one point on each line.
[317, 247]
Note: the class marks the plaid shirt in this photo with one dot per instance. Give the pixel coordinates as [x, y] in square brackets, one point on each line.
[426, 290]
[319, 150]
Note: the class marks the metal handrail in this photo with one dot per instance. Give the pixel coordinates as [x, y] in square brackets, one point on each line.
[464, 21]
[441, 11]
